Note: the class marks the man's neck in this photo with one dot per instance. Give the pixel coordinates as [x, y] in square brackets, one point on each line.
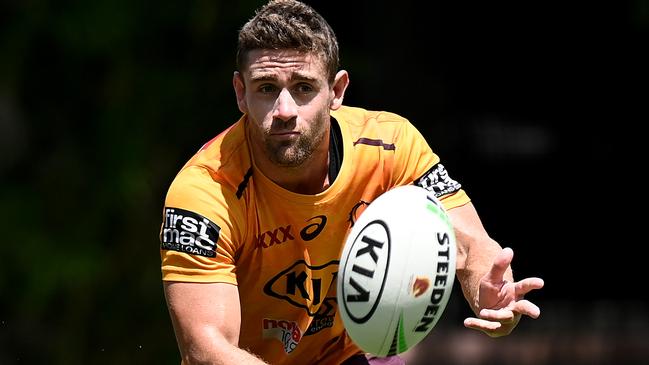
[303, 181]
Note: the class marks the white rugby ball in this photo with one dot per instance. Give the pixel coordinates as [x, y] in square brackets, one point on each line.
[396, 271]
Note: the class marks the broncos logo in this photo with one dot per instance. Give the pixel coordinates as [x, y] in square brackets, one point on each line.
[355, 213]
[420, 285]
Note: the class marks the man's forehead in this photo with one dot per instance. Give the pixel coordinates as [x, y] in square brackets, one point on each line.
[270, 62]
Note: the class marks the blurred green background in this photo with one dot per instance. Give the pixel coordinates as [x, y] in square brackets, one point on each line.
[532, 106]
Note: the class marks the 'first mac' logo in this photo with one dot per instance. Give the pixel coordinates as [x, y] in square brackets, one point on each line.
[189, 232]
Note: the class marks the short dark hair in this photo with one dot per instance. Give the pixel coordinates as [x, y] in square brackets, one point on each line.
[289, 24]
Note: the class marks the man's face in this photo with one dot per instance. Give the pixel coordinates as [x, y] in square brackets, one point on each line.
[287, 98]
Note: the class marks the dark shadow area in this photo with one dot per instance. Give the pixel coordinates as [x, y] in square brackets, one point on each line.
[536, 108]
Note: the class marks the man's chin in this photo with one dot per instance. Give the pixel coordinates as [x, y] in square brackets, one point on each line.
[289, 159]
[286, 162]
[289, 155]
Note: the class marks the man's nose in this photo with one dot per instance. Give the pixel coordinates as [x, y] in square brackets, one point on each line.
[285, 106]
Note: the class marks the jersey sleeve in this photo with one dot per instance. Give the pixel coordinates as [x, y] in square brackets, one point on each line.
[200, 229]
[416, 163]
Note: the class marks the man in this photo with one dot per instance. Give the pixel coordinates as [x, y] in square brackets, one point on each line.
[254, 223]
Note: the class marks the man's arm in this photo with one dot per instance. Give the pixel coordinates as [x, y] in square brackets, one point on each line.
[484, 272]
[206, 318]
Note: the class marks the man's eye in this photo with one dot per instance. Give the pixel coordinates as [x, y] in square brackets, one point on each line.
[266, 89]
[304, 88]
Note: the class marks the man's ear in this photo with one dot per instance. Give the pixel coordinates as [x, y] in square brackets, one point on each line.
[341, 81]
[240, 91]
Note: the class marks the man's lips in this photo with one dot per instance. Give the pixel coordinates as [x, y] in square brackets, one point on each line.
[285, 133]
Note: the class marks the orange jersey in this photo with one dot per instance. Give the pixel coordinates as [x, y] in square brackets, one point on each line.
[224, 221]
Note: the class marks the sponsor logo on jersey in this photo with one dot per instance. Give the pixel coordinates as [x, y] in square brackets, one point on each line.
[188, 232]
[276, 236]
[279, 235]
[311, 231]
[287, 332]
[437, 180]
[324, 318]
[304, 286]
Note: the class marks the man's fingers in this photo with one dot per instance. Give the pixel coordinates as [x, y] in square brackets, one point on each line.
[527, 308]
[500, 315]
[526, 285]
[481, 324]
[500, 265]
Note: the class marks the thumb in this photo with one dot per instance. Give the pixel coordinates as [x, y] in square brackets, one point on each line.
[500, 265]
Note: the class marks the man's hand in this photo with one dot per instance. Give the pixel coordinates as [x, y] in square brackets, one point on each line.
[500, 302]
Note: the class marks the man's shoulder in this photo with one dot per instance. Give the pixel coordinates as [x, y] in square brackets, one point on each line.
[223, 160]
[372, 124]
[360, 116]
[223, 148]
[227, 148]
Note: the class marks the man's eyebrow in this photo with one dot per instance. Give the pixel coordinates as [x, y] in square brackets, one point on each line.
[302, 77]
[295, 76]
[263, 77]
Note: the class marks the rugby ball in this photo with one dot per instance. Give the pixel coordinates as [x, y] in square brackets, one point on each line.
[397, 269]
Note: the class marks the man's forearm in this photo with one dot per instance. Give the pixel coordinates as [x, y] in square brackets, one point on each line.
[223, 354]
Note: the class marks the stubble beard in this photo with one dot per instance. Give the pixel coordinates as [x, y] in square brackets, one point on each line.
[296, 153]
